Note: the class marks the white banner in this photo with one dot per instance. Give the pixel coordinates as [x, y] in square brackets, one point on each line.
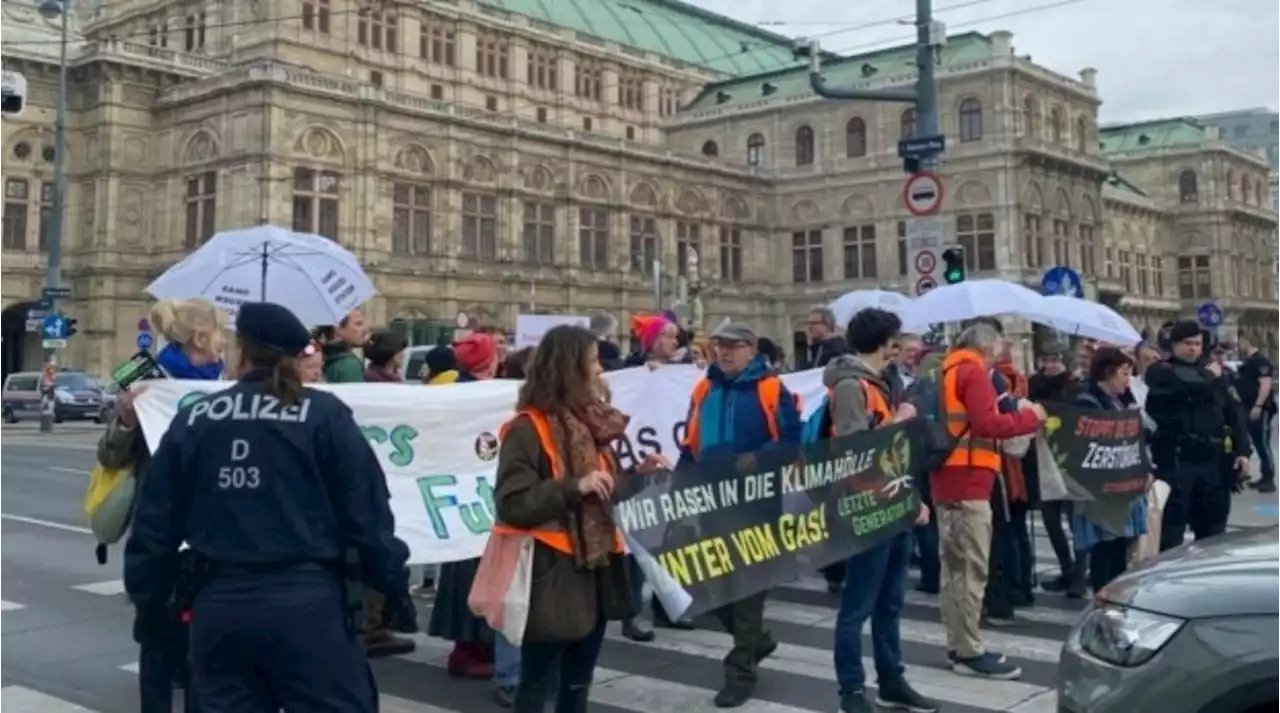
[438, 444]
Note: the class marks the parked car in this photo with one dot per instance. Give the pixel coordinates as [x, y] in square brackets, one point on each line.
[414, 364]
[1193, 631]
[78, 397]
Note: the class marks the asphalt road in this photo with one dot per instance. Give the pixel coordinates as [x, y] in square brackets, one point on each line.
[66, 625]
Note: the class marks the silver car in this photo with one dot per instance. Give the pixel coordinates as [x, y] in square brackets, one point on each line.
[1193, 631]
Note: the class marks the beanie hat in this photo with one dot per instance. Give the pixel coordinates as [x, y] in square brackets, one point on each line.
[475, 352]
[1184, 329]
[651, 332]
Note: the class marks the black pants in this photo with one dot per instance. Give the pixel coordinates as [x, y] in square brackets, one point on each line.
[1018, 559]
[834, 573]
[1053, 514]
[1107, 560]
[744, 620]
[1260, 434]
[1198, 498]
[997, 602]
[572, 662]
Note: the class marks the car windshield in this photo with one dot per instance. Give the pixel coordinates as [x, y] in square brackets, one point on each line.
[74, 381]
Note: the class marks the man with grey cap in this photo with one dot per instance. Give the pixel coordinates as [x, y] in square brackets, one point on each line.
[739, 408]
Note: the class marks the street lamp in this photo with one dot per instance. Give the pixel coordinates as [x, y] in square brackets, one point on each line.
[53, 274]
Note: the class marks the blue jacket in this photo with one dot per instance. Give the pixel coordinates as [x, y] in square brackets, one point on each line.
[1084, 532]
[732, 420]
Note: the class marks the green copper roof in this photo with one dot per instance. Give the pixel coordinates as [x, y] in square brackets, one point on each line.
[666, 27]
[1148, 135]
[841, 72]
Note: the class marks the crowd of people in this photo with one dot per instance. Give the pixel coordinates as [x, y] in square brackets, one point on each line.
[557, 474]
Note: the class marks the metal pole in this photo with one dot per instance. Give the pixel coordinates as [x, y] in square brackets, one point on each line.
[53, 273]
[927, 121]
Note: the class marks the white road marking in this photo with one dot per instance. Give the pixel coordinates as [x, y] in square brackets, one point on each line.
[11, 606]
[20, 699]
[109, 588]
[46, 523]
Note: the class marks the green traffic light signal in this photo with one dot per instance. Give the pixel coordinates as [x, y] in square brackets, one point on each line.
[953, 270]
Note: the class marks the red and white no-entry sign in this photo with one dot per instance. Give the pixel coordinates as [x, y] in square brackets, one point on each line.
[922, 193]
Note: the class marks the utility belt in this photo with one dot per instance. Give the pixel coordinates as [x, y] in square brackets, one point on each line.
[1196, 449]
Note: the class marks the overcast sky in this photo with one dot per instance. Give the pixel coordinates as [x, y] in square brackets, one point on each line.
[1154, 58]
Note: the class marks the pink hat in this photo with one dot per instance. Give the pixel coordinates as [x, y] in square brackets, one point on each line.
[651, 332]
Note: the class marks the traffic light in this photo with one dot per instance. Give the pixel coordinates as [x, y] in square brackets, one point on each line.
[953, 265]
[71, 327]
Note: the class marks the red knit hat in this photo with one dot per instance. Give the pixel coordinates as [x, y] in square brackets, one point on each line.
[475, 352]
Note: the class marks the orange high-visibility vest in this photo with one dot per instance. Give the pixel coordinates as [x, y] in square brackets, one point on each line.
[551, 534]
[769, 390]
[877, 405]
[971, 451]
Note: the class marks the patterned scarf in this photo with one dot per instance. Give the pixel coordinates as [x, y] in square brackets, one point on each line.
[585, 434]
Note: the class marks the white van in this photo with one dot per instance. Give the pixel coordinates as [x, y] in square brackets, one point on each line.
[414, 365]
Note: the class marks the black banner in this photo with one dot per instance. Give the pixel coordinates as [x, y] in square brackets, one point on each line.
[1101, 457]
[727, 529]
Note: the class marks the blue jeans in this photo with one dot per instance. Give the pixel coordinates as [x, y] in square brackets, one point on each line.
[874, 587]
[506, 662]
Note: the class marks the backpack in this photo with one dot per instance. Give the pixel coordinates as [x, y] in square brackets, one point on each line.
[108, 505]
[925, 394]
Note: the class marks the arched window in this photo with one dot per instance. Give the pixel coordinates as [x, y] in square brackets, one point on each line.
[710, 149]
[855, 138]
[1188, 190]
[755, 149]
[1028, 115]
[804, 146]
[907, 124]
[970, 120]
[1082, 135]
[1055, 125]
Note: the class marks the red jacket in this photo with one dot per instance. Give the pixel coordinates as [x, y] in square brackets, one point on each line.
[973, 385]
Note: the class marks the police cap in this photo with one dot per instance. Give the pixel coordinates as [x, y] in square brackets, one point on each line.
[272, 326]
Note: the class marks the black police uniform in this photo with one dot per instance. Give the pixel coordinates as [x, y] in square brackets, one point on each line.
[1195, 413]
[269, 497]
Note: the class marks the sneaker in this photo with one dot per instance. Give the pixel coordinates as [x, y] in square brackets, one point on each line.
[855, 703]
[1001, 622]
[986, 666]
[1056, 585]
[734, 695]
[899, 695]
[505, 696]
[952, 656]
[636, 631]
[1265, 486]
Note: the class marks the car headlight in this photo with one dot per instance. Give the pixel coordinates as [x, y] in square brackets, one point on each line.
[1124, 636]
[63, 396]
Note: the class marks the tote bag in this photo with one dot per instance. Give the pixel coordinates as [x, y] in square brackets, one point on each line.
[500, 592]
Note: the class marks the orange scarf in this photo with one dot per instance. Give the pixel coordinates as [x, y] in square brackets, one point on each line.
[1015, 480]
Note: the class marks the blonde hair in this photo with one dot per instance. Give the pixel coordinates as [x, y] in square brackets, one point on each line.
[178, 321]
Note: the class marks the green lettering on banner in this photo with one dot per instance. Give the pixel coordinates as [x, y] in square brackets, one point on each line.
[477, 516]
[399, 437]
[867, 516]
[188, 399]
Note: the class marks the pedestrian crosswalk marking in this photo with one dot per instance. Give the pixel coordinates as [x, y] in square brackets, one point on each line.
[109, 588]
[936, 683]
[10, 606]
[20, 699]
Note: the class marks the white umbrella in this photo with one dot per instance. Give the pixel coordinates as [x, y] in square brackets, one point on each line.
[1085, 319]
[969, 299]
[851, 303]
[314, 277]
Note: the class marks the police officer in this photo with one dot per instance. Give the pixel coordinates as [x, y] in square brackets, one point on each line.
[271, 484]
[1196, 418]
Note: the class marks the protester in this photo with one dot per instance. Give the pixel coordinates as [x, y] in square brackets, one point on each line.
[473, 641]
[1053, 383]
[962, 492]
[825, 344]
[926, 535]
[1107, 388]
[876, 580]
[733, 394]
[311, 364]
[1016, 561]
[513, 367]
[194, 330]
[341, 364]
[772, 353]
[659, 341]
[385, 354]
[604, 325]
[442, 366]
[1195, 414]
[556, 480]
[1256, 387]
[268, 536]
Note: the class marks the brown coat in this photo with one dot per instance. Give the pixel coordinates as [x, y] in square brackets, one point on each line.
[564, 601]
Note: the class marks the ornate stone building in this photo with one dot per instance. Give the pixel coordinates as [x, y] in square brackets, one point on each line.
[510, 156]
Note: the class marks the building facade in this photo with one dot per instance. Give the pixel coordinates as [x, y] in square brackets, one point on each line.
[508, 157]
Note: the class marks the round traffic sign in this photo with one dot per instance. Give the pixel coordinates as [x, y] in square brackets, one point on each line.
[922, 193]
[144, 341]
[144, 324]
[924, 284]
[1210, 315]
[926, 262]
